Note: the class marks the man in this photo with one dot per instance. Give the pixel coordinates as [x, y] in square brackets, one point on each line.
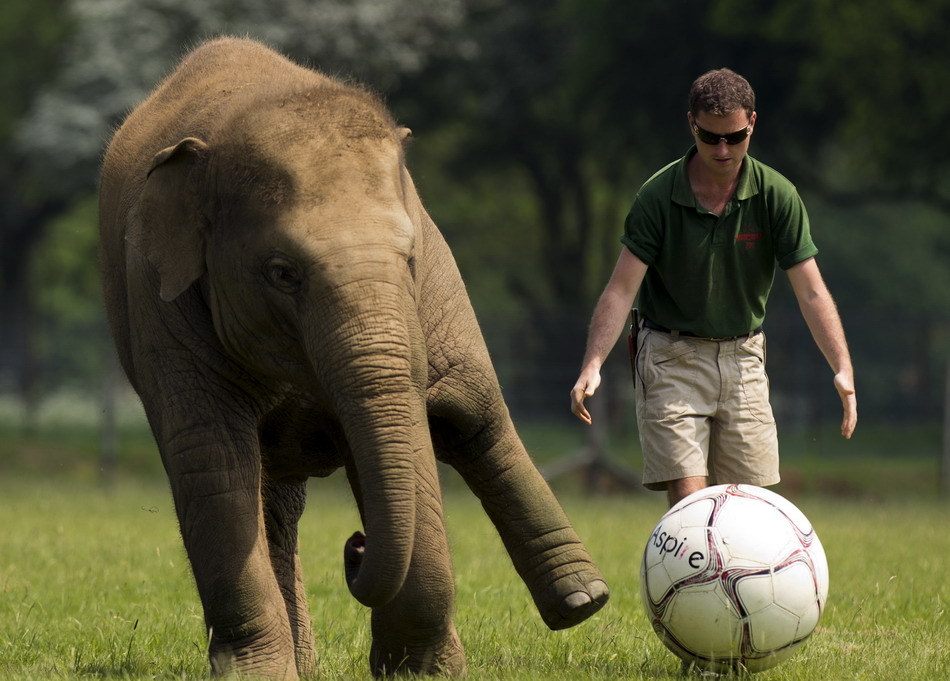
[700, 247]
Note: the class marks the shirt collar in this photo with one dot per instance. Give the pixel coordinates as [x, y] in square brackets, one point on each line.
[683, 193]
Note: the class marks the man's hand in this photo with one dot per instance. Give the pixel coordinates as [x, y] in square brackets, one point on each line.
[844, 384]
[610, 314]
[821, 315]
[586, 386]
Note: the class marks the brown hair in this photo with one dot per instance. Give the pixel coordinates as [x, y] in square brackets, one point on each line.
[721, 92]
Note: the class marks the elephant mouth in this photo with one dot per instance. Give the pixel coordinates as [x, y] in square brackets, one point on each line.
[353, 556]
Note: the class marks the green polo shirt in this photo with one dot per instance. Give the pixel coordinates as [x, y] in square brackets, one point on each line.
[712, 274]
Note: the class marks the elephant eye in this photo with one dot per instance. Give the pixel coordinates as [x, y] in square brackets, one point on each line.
[283, 274]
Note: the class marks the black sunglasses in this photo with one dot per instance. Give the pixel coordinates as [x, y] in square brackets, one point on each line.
[714, 137]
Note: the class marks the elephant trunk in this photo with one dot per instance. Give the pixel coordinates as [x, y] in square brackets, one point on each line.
[373, 380]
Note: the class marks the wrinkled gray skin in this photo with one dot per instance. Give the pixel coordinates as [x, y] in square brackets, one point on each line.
[284, 306]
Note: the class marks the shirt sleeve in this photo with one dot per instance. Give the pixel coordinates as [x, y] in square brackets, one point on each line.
[642, 230]
[791, 231]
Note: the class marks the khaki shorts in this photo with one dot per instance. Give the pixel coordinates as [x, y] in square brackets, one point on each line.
[703, 410]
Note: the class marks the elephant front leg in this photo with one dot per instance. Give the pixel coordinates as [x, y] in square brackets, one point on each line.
[283, 505]
[415, 632]
[215, 478]
[566, 586]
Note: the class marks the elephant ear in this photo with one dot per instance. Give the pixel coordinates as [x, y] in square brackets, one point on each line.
[168, 227]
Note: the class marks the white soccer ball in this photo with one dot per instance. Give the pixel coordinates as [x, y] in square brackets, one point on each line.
[734, 577]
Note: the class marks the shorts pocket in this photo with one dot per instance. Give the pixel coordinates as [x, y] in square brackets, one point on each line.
[668, 372]
[754, 381]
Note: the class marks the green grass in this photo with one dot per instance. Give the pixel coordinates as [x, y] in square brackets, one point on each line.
[94, 583]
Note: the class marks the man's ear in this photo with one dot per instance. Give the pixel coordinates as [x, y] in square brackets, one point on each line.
[167, 223]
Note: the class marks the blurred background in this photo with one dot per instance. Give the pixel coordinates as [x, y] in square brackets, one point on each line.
[535, 122]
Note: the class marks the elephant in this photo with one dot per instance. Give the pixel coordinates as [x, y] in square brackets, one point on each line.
[284, 307]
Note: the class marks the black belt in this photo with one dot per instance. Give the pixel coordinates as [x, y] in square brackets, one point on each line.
[687, 334]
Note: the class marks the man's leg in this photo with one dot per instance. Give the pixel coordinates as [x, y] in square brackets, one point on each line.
[682, 488]
[743, 446]
[676, 398]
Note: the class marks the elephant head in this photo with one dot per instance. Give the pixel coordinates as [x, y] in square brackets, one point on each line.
[292, 223]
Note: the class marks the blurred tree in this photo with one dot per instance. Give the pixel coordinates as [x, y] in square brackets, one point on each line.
[867, 87]
[863, 93]
[65, 285]
[32, 33]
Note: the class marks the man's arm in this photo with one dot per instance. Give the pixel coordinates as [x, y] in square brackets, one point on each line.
[606, 326]
[821, 315]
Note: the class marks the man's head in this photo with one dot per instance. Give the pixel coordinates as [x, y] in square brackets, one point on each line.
[721, 92]
[721, 118]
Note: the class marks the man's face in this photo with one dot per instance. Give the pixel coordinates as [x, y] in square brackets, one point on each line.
[721, 157]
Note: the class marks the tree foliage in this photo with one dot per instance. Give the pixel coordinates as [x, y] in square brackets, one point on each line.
[68, 309]
[869, 88]
[32, 33]
[535, 123]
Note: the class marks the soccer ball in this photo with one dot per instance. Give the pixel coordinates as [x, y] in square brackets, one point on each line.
[734, 577]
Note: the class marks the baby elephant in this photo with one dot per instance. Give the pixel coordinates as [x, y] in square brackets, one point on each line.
[284, 306]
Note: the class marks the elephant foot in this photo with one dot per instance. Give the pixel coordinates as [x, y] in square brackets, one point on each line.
[261, 648]
[571, 600]
[445, 659]
[243, 665]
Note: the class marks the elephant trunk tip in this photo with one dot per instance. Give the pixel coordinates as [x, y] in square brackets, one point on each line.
[367, 594]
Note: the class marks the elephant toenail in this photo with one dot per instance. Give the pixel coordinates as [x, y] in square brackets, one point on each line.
[599, 591]
[577, 606]
[572, 602]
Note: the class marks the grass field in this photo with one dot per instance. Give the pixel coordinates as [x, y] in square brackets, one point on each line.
[94, 583]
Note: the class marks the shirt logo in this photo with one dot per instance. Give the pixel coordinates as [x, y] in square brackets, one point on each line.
[749, 236]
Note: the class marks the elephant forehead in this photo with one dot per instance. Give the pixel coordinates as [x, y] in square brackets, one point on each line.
[323, 120]
[357, 179]
[336, 232]
[295, 171]
[329, 118]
